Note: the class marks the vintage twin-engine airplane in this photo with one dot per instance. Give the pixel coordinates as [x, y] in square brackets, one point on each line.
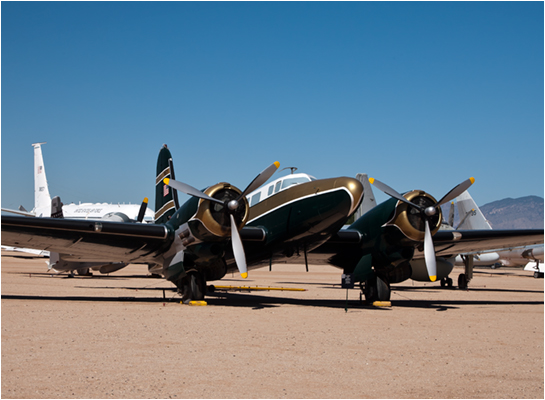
[222, 229]
[203, 239]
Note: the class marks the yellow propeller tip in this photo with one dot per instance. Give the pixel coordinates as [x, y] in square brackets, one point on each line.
[433, 278]
[244, 275]
[166, 181]
[277, 164]
[371, 180]
[472, 180]
[146, 200]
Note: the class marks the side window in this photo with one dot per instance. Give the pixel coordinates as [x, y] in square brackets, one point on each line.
[270, 190]
[255, 198]
[277, 187]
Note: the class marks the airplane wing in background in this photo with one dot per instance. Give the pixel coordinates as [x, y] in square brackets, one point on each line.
[449, 243]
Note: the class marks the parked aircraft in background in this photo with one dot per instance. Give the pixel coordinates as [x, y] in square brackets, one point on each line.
[471, 217]
[216, 231]
[104, 211]
[44, 206]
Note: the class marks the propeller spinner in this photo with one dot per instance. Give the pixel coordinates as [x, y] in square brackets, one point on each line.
[230, 207]
[426, 212]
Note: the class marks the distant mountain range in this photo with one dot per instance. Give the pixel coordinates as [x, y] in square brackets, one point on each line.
[522, 213]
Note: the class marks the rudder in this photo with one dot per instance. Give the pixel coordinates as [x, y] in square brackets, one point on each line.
[165, 205]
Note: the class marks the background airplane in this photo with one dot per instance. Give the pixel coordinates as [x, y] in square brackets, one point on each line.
[105, 211]
[44, 206]
[471, 217]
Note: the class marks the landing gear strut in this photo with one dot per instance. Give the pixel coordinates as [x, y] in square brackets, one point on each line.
[192, 286]
[465, 278]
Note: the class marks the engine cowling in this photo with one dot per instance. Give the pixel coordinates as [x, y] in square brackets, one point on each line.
[410, 220]
[212, 220]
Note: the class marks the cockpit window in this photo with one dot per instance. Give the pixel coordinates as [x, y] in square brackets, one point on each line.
[292, 181]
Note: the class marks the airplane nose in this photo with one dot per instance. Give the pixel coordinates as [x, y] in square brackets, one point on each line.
[354, 187]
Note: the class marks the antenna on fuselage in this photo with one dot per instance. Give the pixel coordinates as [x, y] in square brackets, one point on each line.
[293, 169]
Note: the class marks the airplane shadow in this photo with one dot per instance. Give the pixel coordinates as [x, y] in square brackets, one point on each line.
[257, 302]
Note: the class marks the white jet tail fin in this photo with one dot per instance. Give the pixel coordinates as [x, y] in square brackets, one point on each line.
[42, 199]
[471, 216]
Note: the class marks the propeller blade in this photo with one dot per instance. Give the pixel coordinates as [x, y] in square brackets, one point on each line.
[142, 210]
[457, 191]
[429, 254]
[238, 250]
[391, 192]
[260, 179]
[190, 190]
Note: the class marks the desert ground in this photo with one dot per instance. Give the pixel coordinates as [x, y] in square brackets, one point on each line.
[126, 335]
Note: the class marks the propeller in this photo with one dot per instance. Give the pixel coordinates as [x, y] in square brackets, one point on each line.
[142, 210]
[427, 213]
[231, 206]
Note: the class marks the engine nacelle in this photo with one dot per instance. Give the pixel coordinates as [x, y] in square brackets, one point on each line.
[420, 272]
[411, 221]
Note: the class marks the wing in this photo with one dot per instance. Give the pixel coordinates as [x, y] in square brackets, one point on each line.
[451, 243]
[89, 240]
[446, 243]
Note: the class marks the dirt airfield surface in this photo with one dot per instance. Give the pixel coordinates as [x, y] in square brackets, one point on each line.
[127, 336]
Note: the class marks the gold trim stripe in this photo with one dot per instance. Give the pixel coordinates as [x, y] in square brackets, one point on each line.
[162, 175]
[164, 209]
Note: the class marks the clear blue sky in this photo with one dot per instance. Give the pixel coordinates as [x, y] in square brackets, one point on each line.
[420, 95]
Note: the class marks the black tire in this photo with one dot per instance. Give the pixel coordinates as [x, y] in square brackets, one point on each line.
[197, 285]
[462, 281]
[377, 289]
[370, 290]
[383, 289]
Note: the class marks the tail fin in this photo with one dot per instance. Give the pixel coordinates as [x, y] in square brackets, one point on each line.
[368, 201]
[42, 199]
[164, 196]
[471, 216]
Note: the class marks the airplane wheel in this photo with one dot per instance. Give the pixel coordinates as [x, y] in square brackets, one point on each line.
[184, 288]
[443, 282]
[376, 289]
[370, 290]
[462, 281]
[449, 282]
[197, 285]
[383, 289]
